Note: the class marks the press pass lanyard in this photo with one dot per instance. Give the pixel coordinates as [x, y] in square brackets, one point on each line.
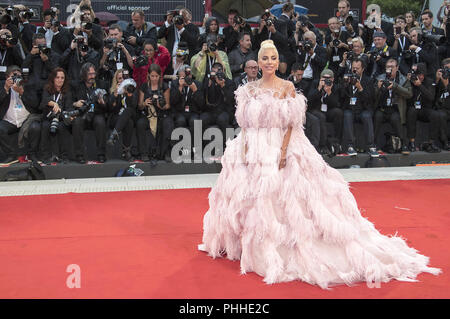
[56, 98]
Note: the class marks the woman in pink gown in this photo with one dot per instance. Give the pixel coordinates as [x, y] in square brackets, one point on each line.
[281, 210]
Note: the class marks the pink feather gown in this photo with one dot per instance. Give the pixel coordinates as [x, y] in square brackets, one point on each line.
[300, 222]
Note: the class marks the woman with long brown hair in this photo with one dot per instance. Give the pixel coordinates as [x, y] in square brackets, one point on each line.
[153, 111]
[56, 98]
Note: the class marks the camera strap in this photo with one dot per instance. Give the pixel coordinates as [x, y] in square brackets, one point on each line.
[56, 98]
[2, 57]
[211, 61]
[402, 45]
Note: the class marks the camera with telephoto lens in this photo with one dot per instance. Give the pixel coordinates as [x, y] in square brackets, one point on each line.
[386, 82]
[80, 43]
[351, 55]
[54, 121]
[158, 98]
[43, 49]
[178, 20]
[336, 42]
[328, 82]
[140, 61]
[188, 76]
[351, 78]
[445, 73]
[375, 54]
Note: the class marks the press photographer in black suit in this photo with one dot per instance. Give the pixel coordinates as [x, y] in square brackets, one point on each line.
[219, 101]
[380, 54]
[312, 121]
[392, 91]
[40, 61]
[442, 101]
[87, 28]
[187, 100]
[90, 100]
[9, 52]
[324, 103]
[357, 101]
[420, 107]
[312, 57]
[236, 25]
[177, 28]
[138, 31]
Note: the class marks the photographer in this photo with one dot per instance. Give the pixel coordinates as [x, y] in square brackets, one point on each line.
[236, 25]
[76, 55]
[122, 105]
[357, 99]
[443, 101]
[427, 21]
[203, 61]
[178, 27]
[9, 52]
[241, 54]
[356, 52]
[420, 107]
[40, 61]
[219, 100]
[152, 53]
[374, 23]
[275, 29]
[56, 99]
[312, 57]
[26, 28]
[187, 100]
[251, 73]
[177, 62]
[380, 54]
[324, 103]
[154, 113]
[90, 101]
[139, 31]
[336, 44]
[402, 42]
[57, 37]
[211, 27]
[345, 19]
[392, 92]
[421, 51]
[116, 55]
[87, 28]
[312, 126]
[19, 112]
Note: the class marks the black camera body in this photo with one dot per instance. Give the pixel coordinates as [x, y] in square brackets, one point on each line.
[217, 75]
[386, 83]
[140, 61]
[351, 55]
[27, 14]
[110, 43]
[159, 97]
[269, 21]
[408, 54]
[54, 121]
[305, 45]
[375, 54]
[43, 49]
[336, 42]
[86, 25]
[80, 44]
[328, 82]
[238, 20]
[5, 39]
[212, 46]
[18, 80]
[351, 78]
[445, 73]
[414, 76]
[178, 20]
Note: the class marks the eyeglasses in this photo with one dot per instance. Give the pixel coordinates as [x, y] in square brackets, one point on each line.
[252, 67]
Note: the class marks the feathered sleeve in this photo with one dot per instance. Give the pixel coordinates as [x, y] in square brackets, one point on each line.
[241, 97]
[296, 105]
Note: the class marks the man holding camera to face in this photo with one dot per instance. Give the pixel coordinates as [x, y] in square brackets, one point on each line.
[380, 54]
[27, 29]
[312, 57]
[19, 112]
[9, 52]
[40, 61]
[392, 91]
[420, 107]
[57, 37]
[187, 99]
[231, 33]
[90, 30]
[76, 55]
[324, 103]
[357, 99]
[219, 100]
[443, 101]
[178, 27]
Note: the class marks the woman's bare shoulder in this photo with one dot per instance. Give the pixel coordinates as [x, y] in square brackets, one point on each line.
[288, 88]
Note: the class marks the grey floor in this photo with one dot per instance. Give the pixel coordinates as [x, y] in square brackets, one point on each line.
[199, 181]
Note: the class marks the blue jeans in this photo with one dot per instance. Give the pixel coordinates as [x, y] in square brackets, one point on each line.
[366, 118]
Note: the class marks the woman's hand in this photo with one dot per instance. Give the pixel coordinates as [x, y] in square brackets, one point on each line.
[282, 161]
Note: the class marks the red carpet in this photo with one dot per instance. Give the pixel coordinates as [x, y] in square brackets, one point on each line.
[144, 245]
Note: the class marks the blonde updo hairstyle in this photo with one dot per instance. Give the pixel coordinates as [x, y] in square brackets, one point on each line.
[266, 45]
